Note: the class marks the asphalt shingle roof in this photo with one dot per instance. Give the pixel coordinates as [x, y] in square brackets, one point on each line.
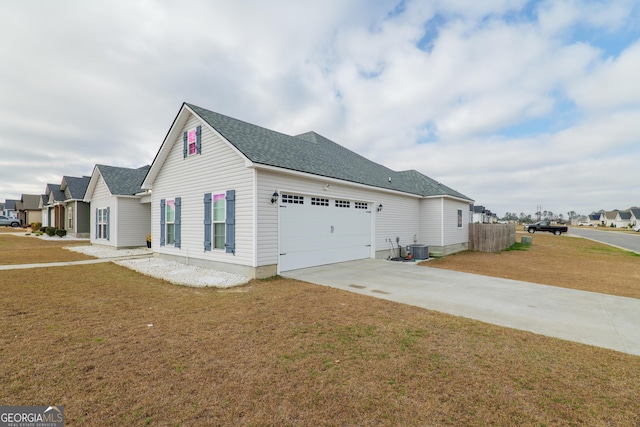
[30, 201]
[58, 195]
[123, 181]
[77, 186]
[10, 204]
[317, 155]
[625, 215]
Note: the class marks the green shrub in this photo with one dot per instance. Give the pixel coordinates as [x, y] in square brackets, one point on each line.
[50, 231]
[35, 226]
[61, 233]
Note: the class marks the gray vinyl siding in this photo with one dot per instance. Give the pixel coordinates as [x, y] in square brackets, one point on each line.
[217, 169]
[102, 198]
[452, 234]
[431, 232]
[83, 217]
[131, 222]
[398, 218]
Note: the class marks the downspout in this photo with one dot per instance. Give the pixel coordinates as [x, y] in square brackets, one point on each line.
[442, 222]
[255, 218]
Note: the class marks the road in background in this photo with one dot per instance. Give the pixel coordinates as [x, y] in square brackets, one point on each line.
[629, 241]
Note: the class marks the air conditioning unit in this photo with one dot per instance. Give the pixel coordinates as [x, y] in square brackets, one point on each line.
[419, 251]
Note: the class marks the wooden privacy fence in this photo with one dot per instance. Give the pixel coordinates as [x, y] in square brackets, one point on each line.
[491, 237]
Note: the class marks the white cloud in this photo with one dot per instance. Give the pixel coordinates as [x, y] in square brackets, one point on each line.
[91, 84]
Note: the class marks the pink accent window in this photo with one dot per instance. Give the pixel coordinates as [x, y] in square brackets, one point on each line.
[192, 140]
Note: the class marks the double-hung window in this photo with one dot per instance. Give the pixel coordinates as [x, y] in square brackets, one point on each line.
[70, 218]
[170, 219]
[102, 220]
[170, 211]
[192, 139]
[219, 220]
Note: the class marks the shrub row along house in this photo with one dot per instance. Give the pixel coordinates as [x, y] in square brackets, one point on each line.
[229, 195]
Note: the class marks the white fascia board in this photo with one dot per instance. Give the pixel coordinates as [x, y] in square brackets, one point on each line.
[165, 148]
[446, 196]
[92, 184]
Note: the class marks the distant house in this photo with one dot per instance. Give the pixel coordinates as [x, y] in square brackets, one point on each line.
[28, 209]
[10, 208]
[76, 210]
[610, 218]
[53, 214]
[120, 209]
[479, 215]
[238, 197]
[623, 219]
[597, 219]
[635, 216]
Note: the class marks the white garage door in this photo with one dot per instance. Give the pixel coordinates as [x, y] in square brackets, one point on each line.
[320, 230]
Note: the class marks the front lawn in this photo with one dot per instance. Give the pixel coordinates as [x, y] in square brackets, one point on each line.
[118, 348]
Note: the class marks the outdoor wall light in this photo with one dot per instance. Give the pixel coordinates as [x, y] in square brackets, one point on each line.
[379, 207]
[274, 197]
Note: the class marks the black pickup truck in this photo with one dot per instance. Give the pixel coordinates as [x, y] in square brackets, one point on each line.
[546, 226]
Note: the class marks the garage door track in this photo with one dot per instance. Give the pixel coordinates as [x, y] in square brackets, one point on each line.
[586, 317]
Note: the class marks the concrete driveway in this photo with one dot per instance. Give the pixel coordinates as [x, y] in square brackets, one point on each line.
[585, 317]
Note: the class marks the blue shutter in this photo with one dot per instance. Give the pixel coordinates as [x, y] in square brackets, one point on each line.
[185, 150]
[162, 230]
[177, 222]
[207, 221]
[230, 243]
[108, 224]
[199, 140]
[96, 222]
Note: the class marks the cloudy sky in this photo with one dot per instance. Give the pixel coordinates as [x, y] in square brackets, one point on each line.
[514, 103]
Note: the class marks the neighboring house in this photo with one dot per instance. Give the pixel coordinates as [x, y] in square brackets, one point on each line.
[42, 205]
[480, 215]
[623, 219]
[76, 210]
[10, 208]
[53, 214]
[29, 211]
[579, 220]
[120, 210]
[635, 216]
[1, 208]
[610, 218]
[234, 196]
[597, 219]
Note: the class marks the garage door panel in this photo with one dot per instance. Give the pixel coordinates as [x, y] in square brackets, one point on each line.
[316, 235]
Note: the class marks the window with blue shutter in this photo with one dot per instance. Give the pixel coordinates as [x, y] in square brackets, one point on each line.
[162, 222]
[185, 149]
[192, 142]
[220, 221]
[199, 140]
[230, 244]
[207, 221]
[177, 221]
[108, 227]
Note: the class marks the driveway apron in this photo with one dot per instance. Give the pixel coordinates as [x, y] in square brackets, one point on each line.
[586, 317]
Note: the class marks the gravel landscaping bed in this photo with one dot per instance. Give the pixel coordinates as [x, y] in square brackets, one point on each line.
[171, 271]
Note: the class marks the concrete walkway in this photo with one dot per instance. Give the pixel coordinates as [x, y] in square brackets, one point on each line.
[66, 263]
[585, 317]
